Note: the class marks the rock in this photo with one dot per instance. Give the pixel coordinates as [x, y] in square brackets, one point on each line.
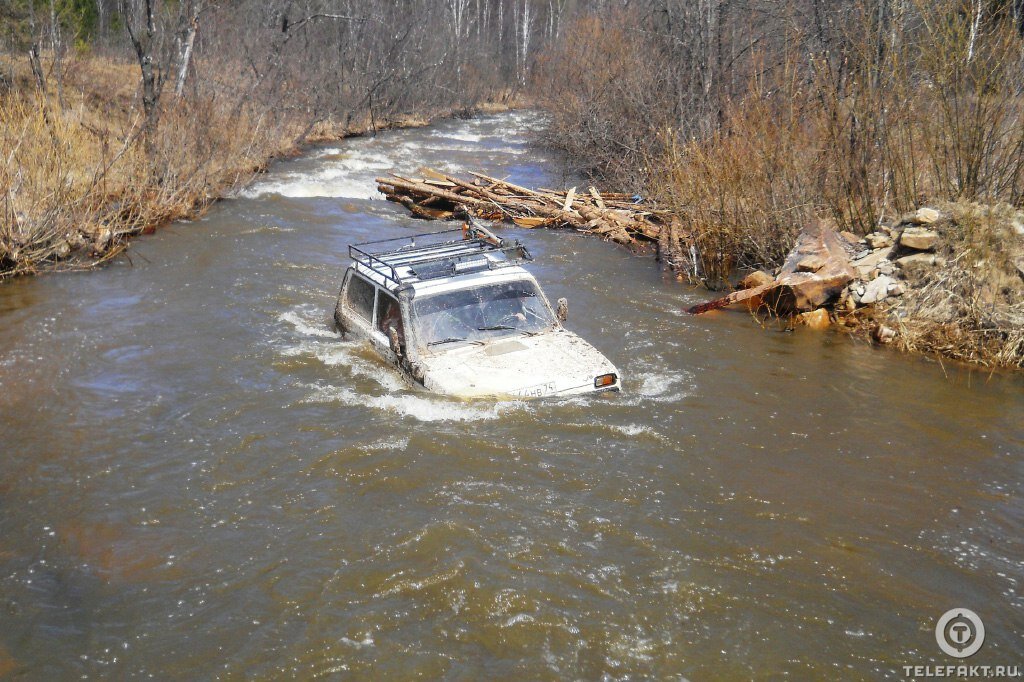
[876, 290]
[896, 289]
[819, 248]
[1018, 226]
[810, 264]
[101, 240]
[77, 240]
[872, 260]
[919, 239]
[846, 302]
[922, 259]
[877, 240]
[756, 279]
[63, 249]
[816, 319]
[883, 334]
[923, 216]
[850, 237]
[884, 268]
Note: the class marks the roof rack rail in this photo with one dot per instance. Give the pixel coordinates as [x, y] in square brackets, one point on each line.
[438, 257]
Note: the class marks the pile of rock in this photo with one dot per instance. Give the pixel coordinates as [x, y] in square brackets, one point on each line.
[829, 276]
[949, 281]
[888, 255]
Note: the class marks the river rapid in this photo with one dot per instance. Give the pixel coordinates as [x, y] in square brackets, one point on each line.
[202, 480]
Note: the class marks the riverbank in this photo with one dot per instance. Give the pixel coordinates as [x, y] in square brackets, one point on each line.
[80, 176]
[843, 120]
[945, 280]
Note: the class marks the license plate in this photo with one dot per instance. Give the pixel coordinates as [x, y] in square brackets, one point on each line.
[536, 391]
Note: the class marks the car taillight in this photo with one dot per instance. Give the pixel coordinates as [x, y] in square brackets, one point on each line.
[604, 380]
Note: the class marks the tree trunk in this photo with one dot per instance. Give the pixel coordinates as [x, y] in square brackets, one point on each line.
[58, 49]
[185, 52]
[142, 39]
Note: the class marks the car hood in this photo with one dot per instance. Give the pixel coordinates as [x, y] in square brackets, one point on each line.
[553, 363]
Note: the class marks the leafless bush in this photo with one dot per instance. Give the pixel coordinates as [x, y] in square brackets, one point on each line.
[166, 105]
[749, 117]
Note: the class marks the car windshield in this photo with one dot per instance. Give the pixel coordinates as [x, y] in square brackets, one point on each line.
[481, 313]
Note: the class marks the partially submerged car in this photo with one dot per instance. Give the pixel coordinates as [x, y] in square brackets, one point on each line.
[459, 315]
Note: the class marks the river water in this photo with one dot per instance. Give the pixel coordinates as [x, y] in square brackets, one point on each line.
[201, 480]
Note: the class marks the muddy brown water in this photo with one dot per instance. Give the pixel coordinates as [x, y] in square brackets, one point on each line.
[201, 480]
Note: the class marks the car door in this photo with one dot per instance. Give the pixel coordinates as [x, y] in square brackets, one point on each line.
[387, 314]
[356, 308]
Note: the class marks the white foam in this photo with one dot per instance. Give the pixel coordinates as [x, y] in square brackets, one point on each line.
[384, 376]
[342, 354]
[267, 229]
[634, 429]
[306, 326]
[389, 444]
[661, 386]
[358, 644]
[348, 177]
[656, 384]
[462, 137]
[421, 407]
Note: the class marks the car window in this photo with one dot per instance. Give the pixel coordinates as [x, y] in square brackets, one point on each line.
[359, 297]
[389, 314]
[509, 308]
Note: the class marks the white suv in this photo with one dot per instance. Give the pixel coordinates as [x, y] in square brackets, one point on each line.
[459, 315]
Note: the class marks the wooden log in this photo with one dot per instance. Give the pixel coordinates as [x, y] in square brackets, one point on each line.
[545, 211]
[734, 297]
[437, 193]
[530, 222]
[567, 206]
[430, 191]
[421, 211]
[795, 289]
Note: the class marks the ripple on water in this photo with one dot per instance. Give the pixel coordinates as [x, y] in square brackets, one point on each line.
[324, 517]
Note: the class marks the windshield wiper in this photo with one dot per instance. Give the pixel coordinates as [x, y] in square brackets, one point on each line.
[451, 339]
[494, 327]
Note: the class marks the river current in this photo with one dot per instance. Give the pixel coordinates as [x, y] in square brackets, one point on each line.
[202, 480]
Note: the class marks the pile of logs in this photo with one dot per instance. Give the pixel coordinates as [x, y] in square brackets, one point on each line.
[611, 216]
[815, 272]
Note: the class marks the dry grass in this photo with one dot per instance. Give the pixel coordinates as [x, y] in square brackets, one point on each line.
[607, 98]
[77, 182]
[972, 309]
[924, 108]
[743, 195]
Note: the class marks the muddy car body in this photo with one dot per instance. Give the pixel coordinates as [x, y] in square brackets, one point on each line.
[459, 315]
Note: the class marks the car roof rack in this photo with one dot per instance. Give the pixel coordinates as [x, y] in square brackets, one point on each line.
[409, 259]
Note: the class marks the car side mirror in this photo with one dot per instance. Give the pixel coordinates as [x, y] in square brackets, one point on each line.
[393, 341]
[563, 309]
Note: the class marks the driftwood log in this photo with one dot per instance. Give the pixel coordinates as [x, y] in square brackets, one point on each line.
[614, 216]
